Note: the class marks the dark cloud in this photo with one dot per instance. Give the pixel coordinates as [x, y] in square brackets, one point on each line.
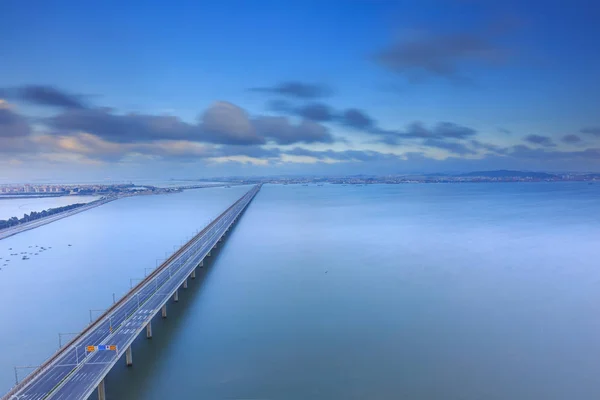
[222, 123]
[316, 112]
[10, 146]
[595, 130]
[526, 152]
[299, 90]
[540, 140]
[12, 124]
[227, 123]
[571, 139]
[454, 131]
[491, 148]
[357, 119]
[43, 95]
[121, 128]
[347, 155]
[281, 131]
[452, 147]
[417, 130]
[428, 54]
[320, 112]
[248, 151]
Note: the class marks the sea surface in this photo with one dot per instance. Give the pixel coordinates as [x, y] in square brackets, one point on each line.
[424, 291]
[13, 207]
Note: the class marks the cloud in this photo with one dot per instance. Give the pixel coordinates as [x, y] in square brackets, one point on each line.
[281, 131]
[316, 112]
[347, 155]
[429, 54]
[12, 124]
[120, 128]
[357, 119]
[492, 148]
[571, 139]
[525, 152]
[298, 90]
[451, 130]
[227, 123]
[452, 147]
[84, 144]
[320, 112]
[541, 140]
[222, 123]
[248, 151]
[595, 130]
[417, 130]
[44, 95]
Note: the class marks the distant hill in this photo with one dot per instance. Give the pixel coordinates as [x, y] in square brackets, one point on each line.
[510, 174]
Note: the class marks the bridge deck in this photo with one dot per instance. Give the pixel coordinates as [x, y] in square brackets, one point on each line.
[73, 373]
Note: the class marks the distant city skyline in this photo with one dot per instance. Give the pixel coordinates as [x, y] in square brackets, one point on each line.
[132, 91]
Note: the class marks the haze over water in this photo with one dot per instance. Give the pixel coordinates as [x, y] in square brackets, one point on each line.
[468, 291]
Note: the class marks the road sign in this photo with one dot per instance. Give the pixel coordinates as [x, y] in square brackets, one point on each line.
[106, 347]
[102, 347]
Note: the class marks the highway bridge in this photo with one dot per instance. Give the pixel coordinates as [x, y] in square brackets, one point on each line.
[78, 369]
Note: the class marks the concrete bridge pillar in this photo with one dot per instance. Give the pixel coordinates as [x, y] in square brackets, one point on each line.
[164, 311]
[149, 330]
[208, 255]
[215, 246]
[185, 284]
[193, 274]
[201, 263]
[101, 391]
[176, 296]
[128, 357]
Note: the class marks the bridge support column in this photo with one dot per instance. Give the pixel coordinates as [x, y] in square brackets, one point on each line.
[193, 275]
[185, 284]
[215, 246]
[129, 357]
[176, 296]
[149, 330]
[201, 263]
[164, 311]
[208, 255]
[101, 391]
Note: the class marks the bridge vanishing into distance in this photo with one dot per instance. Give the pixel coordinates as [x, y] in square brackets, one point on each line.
[77, 369]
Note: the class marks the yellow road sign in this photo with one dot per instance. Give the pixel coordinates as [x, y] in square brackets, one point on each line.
[90, 348]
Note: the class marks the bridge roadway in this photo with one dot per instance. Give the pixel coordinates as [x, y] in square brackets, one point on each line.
[72, 373]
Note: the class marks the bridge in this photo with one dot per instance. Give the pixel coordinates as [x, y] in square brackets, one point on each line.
[78, 369]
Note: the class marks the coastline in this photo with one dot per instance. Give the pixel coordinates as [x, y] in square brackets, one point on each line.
[14, 230]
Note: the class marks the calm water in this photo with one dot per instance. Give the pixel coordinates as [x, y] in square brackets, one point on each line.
[18, 207]
[473, 291]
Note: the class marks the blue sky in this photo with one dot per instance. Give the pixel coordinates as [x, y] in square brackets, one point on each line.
[152, 89]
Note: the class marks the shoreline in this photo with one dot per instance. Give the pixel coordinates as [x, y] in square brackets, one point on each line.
[14, 230]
